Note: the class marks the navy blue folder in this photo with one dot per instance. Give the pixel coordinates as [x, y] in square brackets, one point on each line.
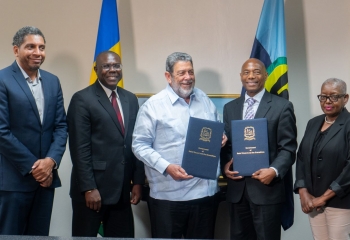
[250, 149]
[202, 148]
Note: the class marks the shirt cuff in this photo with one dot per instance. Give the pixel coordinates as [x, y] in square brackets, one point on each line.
[275, 171]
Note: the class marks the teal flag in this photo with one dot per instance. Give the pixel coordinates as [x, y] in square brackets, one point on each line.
[270, 48]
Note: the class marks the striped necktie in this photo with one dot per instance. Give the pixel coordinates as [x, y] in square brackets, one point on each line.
[249, 114]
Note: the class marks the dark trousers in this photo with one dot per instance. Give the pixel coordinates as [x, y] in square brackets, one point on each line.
[250, 221]
[188, 219]
[26, 213]
[117, 220]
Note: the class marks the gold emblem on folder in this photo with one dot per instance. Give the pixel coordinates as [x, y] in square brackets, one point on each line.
[249, 133]
[205, 134]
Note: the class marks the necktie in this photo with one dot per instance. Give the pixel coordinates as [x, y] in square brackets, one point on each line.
[249, 114]
[117, 111]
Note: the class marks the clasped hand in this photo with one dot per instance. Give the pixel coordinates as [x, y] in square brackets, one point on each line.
[42, 171]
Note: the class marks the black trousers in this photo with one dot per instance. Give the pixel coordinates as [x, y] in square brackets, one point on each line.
[26, 213]
[188, 219]
[250, 221]
[117, 220]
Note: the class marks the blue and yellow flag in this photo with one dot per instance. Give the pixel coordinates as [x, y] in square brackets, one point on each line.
[270, 47]
[108, 34]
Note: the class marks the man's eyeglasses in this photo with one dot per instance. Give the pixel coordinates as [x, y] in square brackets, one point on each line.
[116, 66]
[332, 98]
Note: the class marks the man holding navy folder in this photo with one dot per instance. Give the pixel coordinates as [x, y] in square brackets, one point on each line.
[180, 205]
[256, 200]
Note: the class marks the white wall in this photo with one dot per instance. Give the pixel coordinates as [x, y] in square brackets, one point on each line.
[219, 36]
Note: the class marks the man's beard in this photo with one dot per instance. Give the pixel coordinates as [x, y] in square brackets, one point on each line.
[34, 68]
[183, 93]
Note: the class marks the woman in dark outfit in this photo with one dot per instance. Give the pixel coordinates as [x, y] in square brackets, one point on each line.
[323, 165]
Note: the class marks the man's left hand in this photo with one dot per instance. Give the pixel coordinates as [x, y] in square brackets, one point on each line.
[136, 194]
[42, 169]
[47, 182]
[264, 175]
[224, 140]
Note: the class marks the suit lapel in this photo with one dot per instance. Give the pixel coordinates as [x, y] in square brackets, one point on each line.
[238, 109]
[337, 126]
[311, 134]
[264, 105]
[125, 106]
[22, 82]
[106, 104]
[46, 92]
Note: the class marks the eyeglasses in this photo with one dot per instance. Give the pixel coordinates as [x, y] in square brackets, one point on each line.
[332, 98]
[116, 66]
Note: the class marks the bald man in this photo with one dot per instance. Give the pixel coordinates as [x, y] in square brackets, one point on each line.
[256, 200]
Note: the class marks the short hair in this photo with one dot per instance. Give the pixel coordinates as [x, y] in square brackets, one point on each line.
[106, 53]
[174, 58]
[18, 39]
[336, 83]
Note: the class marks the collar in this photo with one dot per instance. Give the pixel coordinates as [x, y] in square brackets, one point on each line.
[27, 78]
[257, 96]
[174, 97]
[109, 91]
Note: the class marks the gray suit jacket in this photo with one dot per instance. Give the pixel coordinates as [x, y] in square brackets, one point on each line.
[282, 135]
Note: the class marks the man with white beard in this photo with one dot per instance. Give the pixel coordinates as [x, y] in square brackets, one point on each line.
[180, 205]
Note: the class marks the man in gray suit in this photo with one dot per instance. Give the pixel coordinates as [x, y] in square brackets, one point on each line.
[256, 201]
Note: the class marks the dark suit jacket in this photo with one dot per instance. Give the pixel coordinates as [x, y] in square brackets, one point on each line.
[282, 146]
[23, 139]
[333, 165]
[101, 156]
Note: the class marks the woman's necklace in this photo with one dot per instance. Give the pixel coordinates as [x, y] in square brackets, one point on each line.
[325, 119]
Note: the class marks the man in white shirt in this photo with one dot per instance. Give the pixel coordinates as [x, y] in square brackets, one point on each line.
[180, 205]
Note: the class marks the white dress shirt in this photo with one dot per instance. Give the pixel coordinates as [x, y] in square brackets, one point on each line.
[159, 139]
[257, 97]
[37, 91]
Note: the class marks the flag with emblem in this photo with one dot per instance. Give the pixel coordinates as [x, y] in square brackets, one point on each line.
[108, 34]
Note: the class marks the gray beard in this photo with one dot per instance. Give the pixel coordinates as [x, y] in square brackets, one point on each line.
[184, 93]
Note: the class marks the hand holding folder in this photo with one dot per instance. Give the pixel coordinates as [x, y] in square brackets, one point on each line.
[234, 175]
[264, 175]
[202, 148]
[177, 172]
[250, 149]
